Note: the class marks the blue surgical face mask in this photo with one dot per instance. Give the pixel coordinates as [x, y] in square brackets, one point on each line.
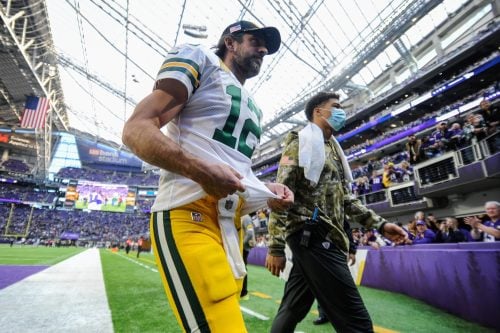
[337, 119]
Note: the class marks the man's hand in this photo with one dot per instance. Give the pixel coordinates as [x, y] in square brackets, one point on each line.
[220, 180]
[473, 221]
[285, 197]
[394, 233]
[275, 264]
[352, 259]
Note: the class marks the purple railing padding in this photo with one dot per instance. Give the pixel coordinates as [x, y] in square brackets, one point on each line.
[462, 279]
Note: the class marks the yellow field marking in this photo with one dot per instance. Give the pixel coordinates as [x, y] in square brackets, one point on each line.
[261, 295]
[278, 301]
[360, 272]
[379, 329]
[315, 312]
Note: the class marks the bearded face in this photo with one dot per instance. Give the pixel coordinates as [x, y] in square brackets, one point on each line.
[248, 56]
[248, 63]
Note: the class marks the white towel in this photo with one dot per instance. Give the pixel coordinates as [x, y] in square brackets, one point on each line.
[255, 197]
[226, 208]
[256, 194]
[347, 169]
[312, 153]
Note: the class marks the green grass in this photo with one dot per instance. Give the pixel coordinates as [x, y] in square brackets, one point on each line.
[28, 255]
[138, 303]
[104, 207]
[135, 294]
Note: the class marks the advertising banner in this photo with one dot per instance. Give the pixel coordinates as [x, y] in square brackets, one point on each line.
[98, 154]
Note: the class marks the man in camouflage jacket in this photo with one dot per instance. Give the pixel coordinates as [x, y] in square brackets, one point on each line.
[320, 267]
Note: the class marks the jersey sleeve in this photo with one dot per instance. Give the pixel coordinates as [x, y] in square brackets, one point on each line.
[185, 64]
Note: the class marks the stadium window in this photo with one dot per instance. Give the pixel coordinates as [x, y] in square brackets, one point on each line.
[462, 30]
[359, 79]
[374, 67]
[66, 154]
[426, 58]
[452, 6]
[383, 89]
[392, 54]
[403, 76]
[366, 74]
[383, 61]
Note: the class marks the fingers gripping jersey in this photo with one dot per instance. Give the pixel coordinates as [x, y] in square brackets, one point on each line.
[220, 121]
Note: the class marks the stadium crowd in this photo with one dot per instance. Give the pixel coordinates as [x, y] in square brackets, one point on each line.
[146, 178]
[43, 226]
[422, 229]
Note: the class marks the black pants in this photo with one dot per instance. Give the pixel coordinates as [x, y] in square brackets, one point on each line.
[244, 290]
[320, 271]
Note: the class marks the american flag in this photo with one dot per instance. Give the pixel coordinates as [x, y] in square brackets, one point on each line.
[35, 112]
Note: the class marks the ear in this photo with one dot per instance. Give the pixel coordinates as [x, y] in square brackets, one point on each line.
[229, 41]
[317, 111]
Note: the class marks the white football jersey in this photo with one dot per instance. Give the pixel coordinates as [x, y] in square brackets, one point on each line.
[220, 122]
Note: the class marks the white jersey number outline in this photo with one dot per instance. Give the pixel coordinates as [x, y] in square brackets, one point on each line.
[225, 135]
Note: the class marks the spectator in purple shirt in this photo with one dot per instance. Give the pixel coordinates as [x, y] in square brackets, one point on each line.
[376, 182]
[440, 137]
[489, 230]
[405, 172]
[424, 235]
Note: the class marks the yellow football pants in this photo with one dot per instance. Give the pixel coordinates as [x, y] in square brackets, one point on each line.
[198, 281]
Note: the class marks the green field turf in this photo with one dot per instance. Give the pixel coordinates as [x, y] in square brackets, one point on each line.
[138, 302]
[28, 255]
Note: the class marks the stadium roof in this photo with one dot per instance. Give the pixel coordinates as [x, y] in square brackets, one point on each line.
[108, 51]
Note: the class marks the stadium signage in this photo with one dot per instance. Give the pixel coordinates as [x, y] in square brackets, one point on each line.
[22, 142]
[96, 153]
[4, 138]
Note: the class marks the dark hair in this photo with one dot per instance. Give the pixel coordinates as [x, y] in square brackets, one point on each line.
[221, 48]
[317, 100]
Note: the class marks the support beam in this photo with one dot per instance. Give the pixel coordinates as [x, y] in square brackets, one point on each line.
[394, 27]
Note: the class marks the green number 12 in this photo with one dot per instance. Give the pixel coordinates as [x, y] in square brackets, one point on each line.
[226, 134]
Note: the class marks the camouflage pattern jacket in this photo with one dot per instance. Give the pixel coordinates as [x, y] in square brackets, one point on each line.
[331, 195]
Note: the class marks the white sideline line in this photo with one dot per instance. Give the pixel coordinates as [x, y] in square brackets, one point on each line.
[138, 263]
[253, 313]
[242, 308]
[67, 297]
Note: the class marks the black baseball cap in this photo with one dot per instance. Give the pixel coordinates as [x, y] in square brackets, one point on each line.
[270, 35]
